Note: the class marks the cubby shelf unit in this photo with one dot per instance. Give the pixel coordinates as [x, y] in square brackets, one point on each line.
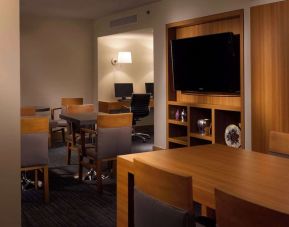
[222, 110]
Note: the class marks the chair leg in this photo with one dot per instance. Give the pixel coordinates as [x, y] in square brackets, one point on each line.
[46, 184]
[68, 153]
[98, 177]
[80, 168]
[63, 135]
[36, 179]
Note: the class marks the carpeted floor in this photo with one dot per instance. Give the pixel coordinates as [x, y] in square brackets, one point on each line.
[72, 203]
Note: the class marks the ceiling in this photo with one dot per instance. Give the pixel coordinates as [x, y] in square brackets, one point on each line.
[90, 9]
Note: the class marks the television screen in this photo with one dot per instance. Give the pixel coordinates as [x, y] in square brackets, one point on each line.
[208, 63]
[123, 90]
[150, 88]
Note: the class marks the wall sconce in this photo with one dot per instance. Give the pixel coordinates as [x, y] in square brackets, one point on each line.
[123, 58]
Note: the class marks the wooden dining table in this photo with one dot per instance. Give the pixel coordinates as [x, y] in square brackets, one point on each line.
[260, 178]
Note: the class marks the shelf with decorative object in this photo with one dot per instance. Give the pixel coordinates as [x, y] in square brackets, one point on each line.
[207, 115]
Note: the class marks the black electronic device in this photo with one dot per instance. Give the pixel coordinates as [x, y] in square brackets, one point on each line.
[207, 64]
[123, 90]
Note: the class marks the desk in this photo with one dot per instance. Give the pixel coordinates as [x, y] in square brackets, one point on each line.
[114, 106]
[260, 178]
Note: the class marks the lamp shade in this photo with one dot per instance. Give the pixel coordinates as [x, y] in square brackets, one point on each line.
[124, 57]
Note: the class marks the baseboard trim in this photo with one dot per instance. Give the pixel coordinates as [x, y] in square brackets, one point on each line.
[156, 148]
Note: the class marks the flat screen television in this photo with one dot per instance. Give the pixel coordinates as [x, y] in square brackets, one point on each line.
[123, 90]
[207, 64]
[150, 88]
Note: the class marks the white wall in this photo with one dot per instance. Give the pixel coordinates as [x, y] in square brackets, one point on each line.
[10, 114]
[56, 60]
[168, 11]
[138, 73]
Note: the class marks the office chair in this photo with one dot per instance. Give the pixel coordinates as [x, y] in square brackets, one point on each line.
[140, 108]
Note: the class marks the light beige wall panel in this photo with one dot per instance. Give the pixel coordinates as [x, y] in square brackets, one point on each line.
[10, 114]
[56, 60]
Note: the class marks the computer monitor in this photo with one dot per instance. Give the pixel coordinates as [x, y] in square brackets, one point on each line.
[150, 88]
[123, 90]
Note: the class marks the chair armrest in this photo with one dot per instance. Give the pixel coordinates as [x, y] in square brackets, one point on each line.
[52, 112]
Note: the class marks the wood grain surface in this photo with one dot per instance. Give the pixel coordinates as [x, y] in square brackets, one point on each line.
[252, 176]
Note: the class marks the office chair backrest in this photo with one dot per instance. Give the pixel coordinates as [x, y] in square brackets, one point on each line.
[85, 108]
[27, 111]
[140, 105]
[233, 211]
[113, 135]
[279, 142]
[34, 141]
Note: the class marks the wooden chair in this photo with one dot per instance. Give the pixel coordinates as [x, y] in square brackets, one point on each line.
[111, 138]
[279, 143]
[27, 111]
[34, 148]
[57, 124]
[70, 144]
[163, 198]
[233, 211]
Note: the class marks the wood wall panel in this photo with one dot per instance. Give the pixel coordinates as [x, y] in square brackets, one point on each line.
[213, 27]
[270, 71]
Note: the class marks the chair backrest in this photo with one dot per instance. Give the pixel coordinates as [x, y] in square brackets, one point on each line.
[113, 135]
[71, 101]
[279, 142]
[84, 108]
[140, 105]
[233, 211]
[28, 111]
[172, 188]
[161, 198]
[34, 141]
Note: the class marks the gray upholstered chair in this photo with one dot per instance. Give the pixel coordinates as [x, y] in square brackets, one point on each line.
[56, 124]
[70, 143]
[163, 198]
[237, 212]
[111, 138]
[34, 148]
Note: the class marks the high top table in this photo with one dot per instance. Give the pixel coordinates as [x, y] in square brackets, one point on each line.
[260, 178]
[79, 120]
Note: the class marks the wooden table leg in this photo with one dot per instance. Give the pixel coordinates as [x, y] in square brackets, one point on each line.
[124, 168]
[46, 184]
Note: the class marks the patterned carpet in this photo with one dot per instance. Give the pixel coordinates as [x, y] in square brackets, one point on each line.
[72, 203]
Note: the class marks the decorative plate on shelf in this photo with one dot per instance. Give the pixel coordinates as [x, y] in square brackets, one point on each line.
[233, 136]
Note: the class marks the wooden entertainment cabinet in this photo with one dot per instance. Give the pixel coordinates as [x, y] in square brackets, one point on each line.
[222, 110]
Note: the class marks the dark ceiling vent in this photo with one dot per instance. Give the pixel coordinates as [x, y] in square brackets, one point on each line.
[123, 21]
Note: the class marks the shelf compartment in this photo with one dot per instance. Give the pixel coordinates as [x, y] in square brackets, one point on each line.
[197, 141]
[224, 118]
[182, 140]
[197, 114]
[178, 122]
[174, 108]
[200, 136]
